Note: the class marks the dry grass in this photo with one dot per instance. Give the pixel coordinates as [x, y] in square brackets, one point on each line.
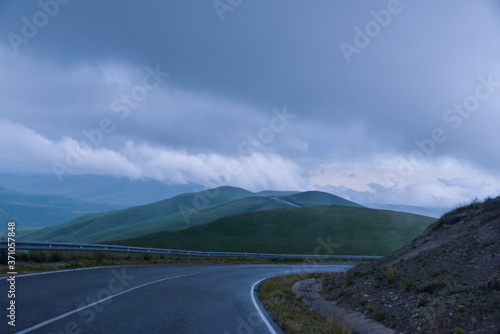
[291, 312]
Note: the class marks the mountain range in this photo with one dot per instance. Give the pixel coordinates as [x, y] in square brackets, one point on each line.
[119, 191]
[326, 229]
[34, 210]
[178, 212]
[102, 209]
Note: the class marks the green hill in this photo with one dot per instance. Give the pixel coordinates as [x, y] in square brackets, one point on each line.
[32, 210]
[311, 230]
[266, 193]
[315, 198]
[179, 212]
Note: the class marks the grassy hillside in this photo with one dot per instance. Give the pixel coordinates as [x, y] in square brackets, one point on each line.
[266, 193]
[434, 212]
[175, 213]
[31, 210]
[315, 198]
[178, 212]
[344, 230]
[445, 281]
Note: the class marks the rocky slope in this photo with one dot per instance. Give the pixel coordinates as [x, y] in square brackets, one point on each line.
[445, 281]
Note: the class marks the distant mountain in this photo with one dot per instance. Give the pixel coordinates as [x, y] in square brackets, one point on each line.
[315, 198]
[97, 188]
[4, 216]
[33, 210]
[276, 193]
[434, 212]
[350, 230]
[178, 212]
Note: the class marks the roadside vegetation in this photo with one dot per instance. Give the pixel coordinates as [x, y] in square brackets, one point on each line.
[41, 260]
[291, 312]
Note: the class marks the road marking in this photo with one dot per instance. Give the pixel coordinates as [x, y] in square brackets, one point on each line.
[79, 269]
[252, 293]
[62, 271]
[62, 316]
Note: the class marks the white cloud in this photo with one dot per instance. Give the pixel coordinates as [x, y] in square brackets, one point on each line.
[443, 182]
[256, 171]
[297, 144]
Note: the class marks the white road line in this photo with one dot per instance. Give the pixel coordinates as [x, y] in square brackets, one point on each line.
[62, 316]
[78, 269]
[61, 271]
[271, 329]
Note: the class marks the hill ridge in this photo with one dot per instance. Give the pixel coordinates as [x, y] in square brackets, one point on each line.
[178, 212]
[349, 230]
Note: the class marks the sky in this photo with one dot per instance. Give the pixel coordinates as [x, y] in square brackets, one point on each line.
[394, 102]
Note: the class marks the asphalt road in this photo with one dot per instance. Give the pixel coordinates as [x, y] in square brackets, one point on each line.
[144, 299]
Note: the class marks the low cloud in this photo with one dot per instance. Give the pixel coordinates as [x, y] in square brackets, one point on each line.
[297, 144]
[67, 156]
[441, 183]
[409, 120]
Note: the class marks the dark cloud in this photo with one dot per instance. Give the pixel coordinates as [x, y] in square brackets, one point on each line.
[225, 78]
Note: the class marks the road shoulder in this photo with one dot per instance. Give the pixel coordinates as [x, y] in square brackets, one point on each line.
[309, 291]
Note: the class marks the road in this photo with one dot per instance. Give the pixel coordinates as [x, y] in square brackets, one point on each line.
[286, 202]
[145, 299]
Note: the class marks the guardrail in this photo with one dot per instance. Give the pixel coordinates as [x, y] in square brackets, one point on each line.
[57, 246]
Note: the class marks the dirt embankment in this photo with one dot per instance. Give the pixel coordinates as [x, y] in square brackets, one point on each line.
[445, 281]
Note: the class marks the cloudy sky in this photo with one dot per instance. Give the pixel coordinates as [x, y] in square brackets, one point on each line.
[377, 101]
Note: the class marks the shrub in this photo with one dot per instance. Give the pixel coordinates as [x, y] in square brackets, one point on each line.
[379, 316]
[391, 275]
[407, 285]
[432, 287]
[39, 257]
[422, 303]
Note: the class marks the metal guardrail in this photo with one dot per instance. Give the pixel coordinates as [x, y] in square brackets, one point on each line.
[55, 246]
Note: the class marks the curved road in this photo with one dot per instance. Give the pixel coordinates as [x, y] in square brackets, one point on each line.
[145, 299]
